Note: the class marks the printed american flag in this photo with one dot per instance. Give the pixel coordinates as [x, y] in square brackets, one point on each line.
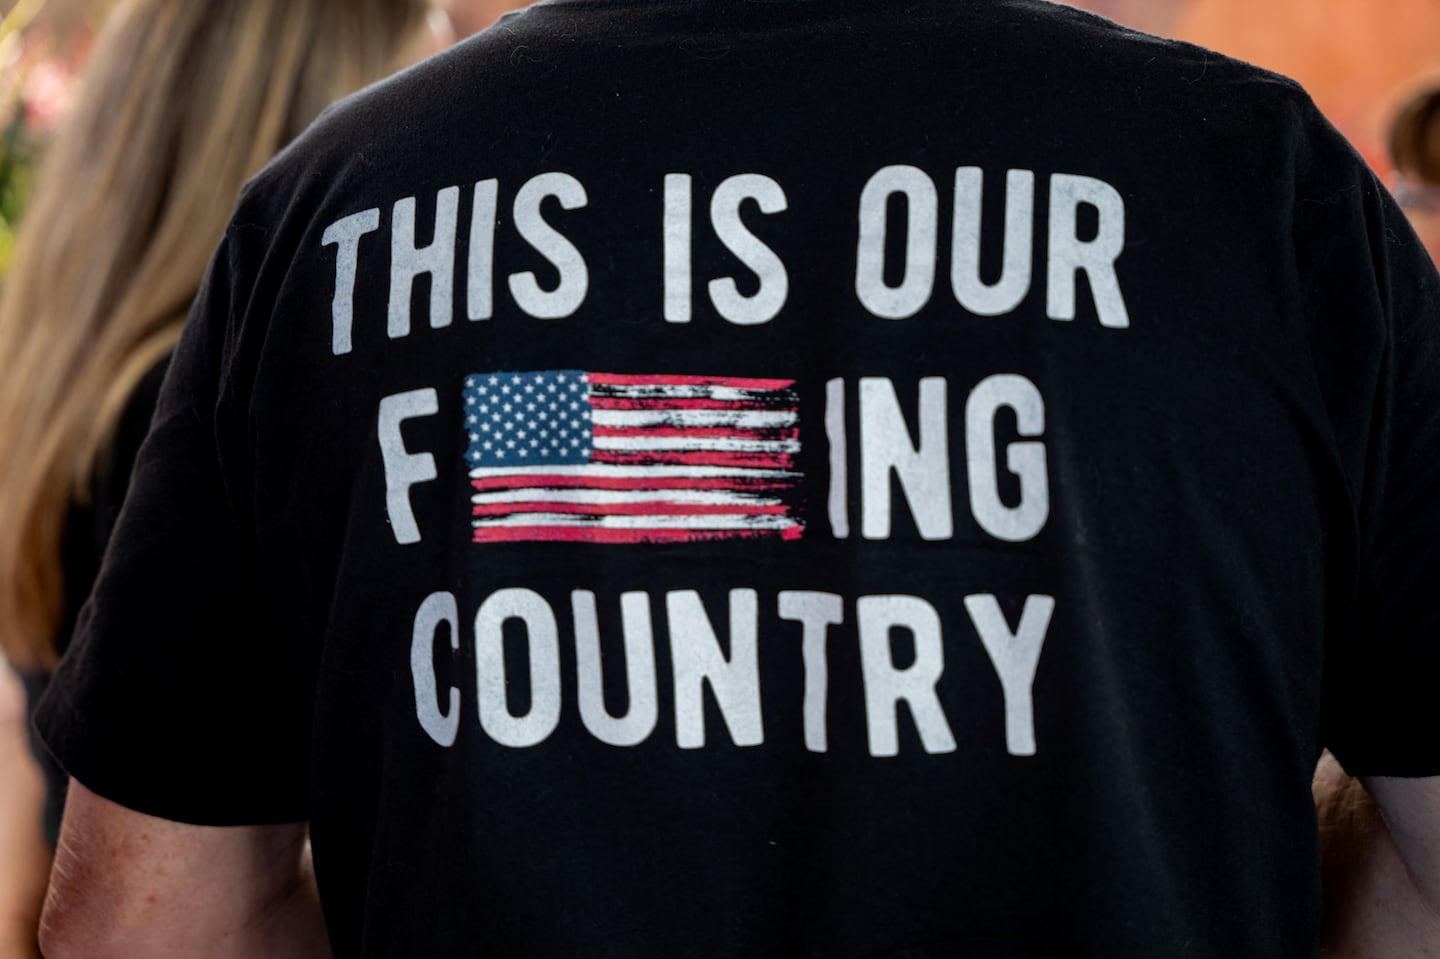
[571, 456]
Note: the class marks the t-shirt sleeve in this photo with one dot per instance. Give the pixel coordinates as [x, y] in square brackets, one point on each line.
[180, 696]
[1372, 296]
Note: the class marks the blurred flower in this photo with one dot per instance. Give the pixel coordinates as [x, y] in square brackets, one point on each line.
[39, 62]
[46, 95]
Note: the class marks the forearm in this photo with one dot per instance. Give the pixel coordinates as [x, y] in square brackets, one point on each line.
[1375, 905]
[294, 928]
[15, 945]
[24, 867]
[288, 927]
[24, 855]
[128, 885]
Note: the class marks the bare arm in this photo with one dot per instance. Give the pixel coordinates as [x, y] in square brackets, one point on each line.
[1380, 844]
[23, 851]
[126, 884]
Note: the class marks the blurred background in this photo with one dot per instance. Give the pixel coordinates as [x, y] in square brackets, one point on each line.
[1360, 59]
[43, 47]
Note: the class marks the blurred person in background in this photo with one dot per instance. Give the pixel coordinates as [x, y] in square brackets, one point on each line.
[1415, 151]
[182, 102]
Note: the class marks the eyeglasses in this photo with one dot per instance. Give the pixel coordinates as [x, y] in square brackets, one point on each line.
[1417, 197]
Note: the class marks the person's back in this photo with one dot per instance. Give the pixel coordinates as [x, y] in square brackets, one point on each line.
[791, 479]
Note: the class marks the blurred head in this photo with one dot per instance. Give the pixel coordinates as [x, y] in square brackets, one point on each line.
[1415, 150]
[181, 102]
[472, 16]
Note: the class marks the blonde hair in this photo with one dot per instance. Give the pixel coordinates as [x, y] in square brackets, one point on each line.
[182, 101]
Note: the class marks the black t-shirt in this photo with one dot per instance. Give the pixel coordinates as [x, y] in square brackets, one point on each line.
[835, 478]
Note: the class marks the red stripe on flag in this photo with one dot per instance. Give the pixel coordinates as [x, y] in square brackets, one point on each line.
[629, 483]
[783, 461]
[735, 382]
[657, 508]
[689, 403]
[698, 432]
[577, 534]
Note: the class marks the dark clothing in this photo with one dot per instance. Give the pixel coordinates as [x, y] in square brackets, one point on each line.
[87, 532]
[35, 683]
[843, 479]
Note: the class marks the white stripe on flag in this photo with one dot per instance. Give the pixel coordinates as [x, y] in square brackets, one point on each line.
[749, 420]
[653, 392]
[684, 444]
[606, 470]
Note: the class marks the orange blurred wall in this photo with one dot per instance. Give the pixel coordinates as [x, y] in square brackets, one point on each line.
[1356, 57]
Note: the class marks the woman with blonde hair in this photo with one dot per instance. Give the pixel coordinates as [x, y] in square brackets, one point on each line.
[182, 101]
